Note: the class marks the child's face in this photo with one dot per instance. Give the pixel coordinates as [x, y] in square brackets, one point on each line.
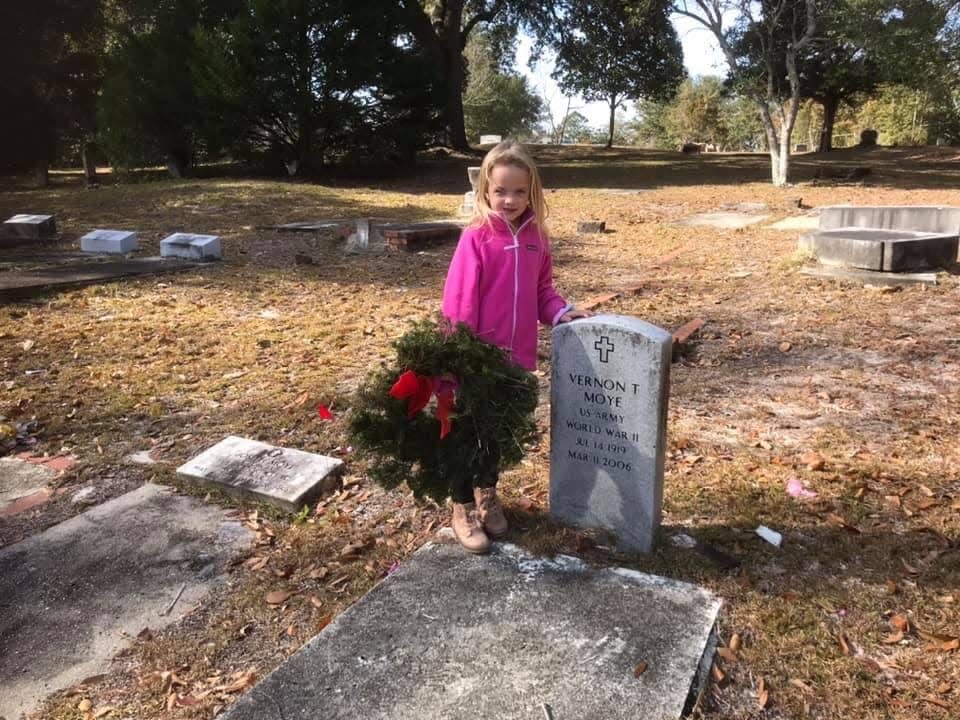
[508, 191]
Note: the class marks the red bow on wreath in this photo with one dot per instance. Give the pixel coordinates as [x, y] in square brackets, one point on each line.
[417, 389]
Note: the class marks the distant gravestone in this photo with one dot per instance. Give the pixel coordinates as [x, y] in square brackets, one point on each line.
[608, 425]
[192, 247]
[283, 477]
[109, 241]
[490, 139]
[469, 197]
[30, 227]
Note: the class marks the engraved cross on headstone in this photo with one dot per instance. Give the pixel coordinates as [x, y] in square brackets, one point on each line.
[604, 347]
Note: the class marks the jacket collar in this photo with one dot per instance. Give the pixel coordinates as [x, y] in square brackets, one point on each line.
[499, 224]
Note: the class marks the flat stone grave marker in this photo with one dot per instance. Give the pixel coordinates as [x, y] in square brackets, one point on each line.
[19, 479]
[722, 220]
[109, 241]
[504, 636]
[490, 139]
[191, 247]
[883, 250]
[285, 478]
[16, 283]
[77, 593]
[30, 227]
[609, 391]
[798, 222]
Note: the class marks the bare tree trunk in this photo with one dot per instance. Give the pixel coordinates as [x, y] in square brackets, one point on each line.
[830, 106]
[41, 173]
[613, 111]
[88, 152]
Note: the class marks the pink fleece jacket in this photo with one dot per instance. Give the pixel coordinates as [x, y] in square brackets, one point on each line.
[500, 282]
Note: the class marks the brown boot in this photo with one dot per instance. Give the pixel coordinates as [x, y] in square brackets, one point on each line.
[467, 528]
[490, 511]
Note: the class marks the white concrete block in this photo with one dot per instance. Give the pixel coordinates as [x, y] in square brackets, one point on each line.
[283, 477]
[109, 241]
[30, 226]
[192, 247]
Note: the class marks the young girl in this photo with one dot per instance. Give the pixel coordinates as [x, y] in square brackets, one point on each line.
[500, 282]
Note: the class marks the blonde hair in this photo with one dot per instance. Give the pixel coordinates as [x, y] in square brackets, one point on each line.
[509, 153]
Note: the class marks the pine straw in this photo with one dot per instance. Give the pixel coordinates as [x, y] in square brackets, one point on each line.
[850, 389]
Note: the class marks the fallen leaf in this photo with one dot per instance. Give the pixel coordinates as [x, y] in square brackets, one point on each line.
[245, 680]
[937, 701]
[319, 573]
[727, 654]
[354, 550]
[844, 644]
[106, 710]
[900, 622]
[291, 630]
[802, 685]
[927, 503]
[893, 500]
[908, 567]
[837, 521]
[85, 705]
[893, 639]
[27, 345]
[813, 460]
[785, 347]
[315, 601]
[943, 688]
[734, 643]
[925, 490]
[640, 669]
[763, 697]
[718, 675]
[278, 597]
[891, 587]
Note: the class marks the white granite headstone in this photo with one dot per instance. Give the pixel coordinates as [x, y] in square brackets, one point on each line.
[109, 241]
[283, 477]
[192, 247]
[490, 139]
[611, 380]
[30, 227]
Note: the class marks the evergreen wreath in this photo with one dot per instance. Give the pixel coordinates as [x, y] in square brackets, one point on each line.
[492, 405]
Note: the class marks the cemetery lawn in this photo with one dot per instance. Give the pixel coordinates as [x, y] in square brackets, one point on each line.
[844, 391]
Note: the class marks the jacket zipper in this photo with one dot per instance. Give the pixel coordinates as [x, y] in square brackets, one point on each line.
[516, 277]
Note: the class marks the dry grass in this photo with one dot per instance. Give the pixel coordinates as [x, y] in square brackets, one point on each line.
[867, 384]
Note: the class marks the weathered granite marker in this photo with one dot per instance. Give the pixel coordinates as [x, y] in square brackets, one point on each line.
[611, 379]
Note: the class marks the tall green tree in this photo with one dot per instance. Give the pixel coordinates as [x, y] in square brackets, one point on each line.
[696, 111]
[496, 101]
[49, 76]
[763, 42]
[443, 27]
[866, 43]
[614, 51]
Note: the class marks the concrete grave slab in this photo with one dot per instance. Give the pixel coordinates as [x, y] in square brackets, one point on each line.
[798, 222]
[16, 284]
[29, 227]
[19, 479]
[870, 277]
[70, 596]
[490, 139]
[722, 220]
[283, 477]
[455, 635]
[191, 247]
[883, 250]
[608, 408]
[109, 241]
[309, 226]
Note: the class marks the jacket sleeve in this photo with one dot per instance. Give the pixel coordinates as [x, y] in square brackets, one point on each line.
[550, 306]
[461, 290]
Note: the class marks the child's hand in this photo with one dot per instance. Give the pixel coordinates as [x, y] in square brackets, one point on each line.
[573, 315]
